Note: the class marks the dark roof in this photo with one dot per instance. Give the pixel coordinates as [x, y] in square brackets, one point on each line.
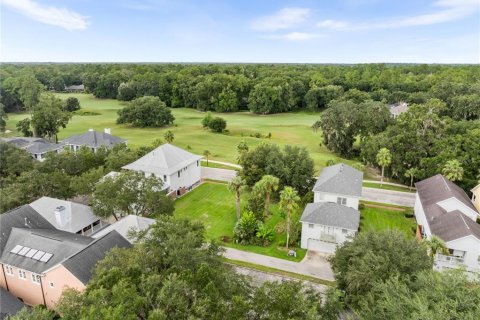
[446, 225]
[94, 139]
[60, 244]
[21, 217]
[33, 145]
[331, 214]
[340, 179]
[9, 305]
[83, 262]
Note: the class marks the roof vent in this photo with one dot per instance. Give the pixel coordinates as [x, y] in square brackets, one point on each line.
[60, 208]
[90, 130]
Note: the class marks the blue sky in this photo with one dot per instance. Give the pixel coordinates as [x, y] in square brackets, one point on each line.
[345, 31]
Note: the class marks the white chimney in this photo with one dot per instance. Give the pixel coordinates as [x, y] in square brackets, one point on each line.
[107, 130]
[61, 215]
[90, 129]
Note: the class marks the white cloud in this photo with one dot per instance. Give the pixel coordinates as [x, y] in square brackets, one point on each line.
[448, 10]
[284, 19]
[333, 24]
[295, 36]
[60, 17]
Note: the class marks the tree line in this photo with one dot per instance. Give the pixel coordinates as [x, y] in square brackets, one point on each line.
[260, 88]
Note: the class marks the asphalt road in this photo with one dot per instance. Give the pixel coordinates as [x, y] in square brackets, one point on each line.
[218, 174]
[389, 196]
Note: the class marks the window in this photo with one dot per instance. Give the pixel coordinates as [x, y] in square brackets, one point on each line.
[344, 230]
[50, 284]
[178, 174]
[165, 178]
[22, 274]
[9, 270]
[35, 278]
[342, 201]
[197, 163]
[310, 225]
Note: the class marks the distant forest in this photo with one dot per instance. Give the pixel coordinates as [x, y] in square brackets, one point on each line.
[260, 88]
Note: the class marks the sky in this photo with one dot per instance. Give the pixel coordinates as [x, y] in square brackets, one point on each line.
[257, 31]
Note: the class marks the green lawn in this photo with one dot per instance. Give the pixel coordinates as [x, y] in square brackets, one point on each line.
[379, 219]
[287, 128]
[387, 187]
[218, 165]
[214, 205]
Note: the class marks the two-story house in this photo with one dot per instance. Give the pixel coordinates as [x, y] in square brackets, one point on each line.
[93, 140]
[36, 147]
[443, 209]
[333, 218]
[179, 169]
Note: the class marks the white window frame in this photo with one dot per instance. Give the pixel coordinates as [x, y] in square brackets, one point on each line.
[311, 225]
[36, 278]
[22, 274]
[344, 231]
[342, 201]
[51, 285]
[9, 270]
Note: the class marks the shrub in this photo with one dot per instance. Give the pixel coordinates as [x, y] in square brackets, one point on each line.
[71, 104]
[146, 111]
[206, 120]
[361, 206]
[246, 228]
[256, 204]
[478, 220]
[409, 213]
[217, 124]
[265, 234]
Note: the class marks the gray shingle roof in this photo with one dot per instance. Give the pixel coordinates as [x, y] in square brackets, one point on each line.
[21, 217]
[124, 225]
[83, 262]
[9, 305]
[331, 214]
[340, 179]
[446, 225]
[33, 145]
[75, 216]
[94, 139]
[166, 159]
[59, 243]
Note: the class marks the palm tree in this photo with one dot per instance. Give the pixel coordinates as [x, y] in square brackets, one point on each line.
[268, 184]
[436, 245]
[206, 153]
[411, 173]
[384, 158]
[169, 136]
[236, 185]
[289, 200]
[453, 170]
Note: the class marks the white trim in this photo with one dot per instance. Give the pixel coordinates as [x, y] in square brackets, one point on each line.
[35, 277]
[467, 236]
[22, 274]
[9, 270]
[337, 194]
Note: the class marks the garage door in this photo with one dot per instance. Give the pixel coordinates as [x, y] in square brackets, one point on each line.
[321, 246]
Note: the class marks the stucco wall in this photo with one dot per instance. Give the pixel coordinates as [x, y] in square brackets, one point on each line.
[25, 289]
[420, 216]
[471, 245]
[61, 279]
[352, 202]
[188, 176]
[476, 197]
[317, 230]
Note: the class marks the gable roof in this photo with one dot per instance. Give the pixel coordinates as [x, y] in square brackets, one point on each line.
[9, 305]
[124, 225]
[33, 145]
[60, 244]
[446, 225]
[340, 179]
[75, 216]
[82, 263]
[94, 139]
[21, 217]
[331, 214]
[166, 159]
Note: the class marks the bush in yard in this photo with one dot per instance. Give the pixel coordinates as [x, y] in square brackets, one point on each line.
[146, 111]
[246, 228]
[265, 234]
[217, 124]
[71, 104]
[256, 204]
[206, 120]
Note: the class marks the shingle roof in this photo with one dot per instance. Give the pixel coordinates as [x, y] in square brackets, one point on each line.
[446, 225]
[33, 145]
[59, 243]
[340, 179]
[94, 139]
[331, 214]
[166, 159]
[82, 263]
[9, 305]
[21, 217]
[75, 87]
[75, 216]
[124, 225]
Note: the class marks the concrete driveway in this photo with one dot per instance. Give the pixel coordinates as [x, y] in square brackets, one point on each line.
[314, 264]
[389, 196]
[218, 174]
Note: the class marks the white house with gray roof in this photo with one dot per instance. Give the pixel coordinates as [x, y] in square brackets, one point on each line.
[178, 168]
[333, 218]
[443, 209]
[93, 140]
[37, 147]
[125, 225]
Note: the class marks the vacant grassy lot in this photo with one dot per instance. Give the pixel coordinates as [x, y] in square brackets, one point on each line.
[293, 129]
[387, 187]
[379, 219]
[214, 205]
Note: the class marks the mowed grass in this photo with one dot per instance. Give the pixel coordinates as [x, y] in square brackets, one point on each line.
[214, 205]
[287, 128]
[387, 187]
[380, 219]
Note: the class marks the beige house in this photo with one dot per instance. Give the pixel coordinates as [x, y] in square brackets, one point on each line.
[476, 197]
[38, 262]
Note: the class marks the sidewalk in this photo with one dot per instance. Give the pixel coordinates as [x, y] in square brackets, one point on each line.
[314, 265]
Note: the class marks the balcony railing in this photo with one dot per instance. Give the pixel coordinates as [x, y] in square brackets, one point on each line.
[448, 259]
[328, 237]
